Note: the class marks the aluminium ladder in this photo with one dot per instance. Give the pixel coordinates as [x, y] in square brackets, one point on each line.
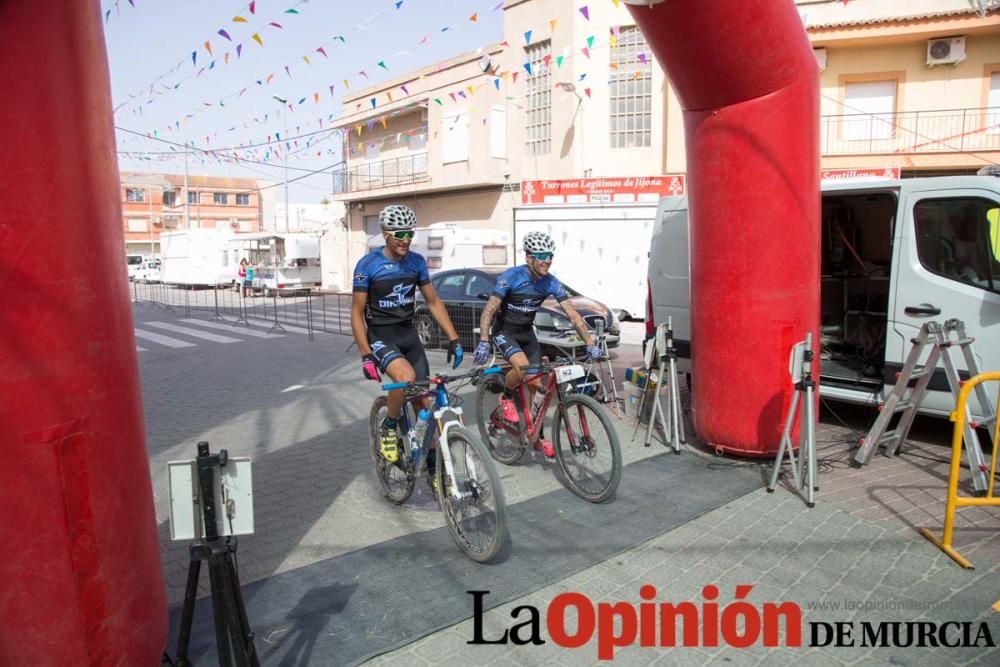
[906, 400]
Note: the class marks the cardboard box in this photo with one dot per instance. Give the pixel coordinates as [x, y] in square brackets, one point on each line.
[633, 397]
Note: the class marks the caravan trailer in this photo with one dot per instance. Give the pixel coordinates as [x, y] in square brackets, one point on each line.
[283, 261]
[896, 253]
[449, 245]
[196, 258]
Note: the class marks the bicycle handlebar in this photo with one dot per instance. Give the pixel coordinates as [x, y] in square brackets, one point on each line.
[442, 379]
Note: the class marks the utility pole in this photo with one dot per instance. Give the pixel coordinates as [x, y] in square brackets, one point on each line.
[187, 194]
[284, 152]
[149, 178]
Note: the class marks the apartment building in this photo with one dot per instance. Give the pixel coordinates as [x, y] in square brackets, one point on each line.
[155, 202]
[572, 102]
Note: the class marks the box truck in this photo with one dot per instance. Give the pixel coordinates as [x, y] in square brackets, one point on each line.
[196, 258]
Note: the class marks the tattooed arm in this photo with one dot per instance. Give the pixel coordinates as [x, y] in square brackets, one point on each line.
[486, 319]
[577, 321]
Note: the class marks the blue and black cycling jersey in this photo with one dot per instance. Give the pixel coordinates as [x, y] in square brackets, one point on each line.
[391, 286]
[521, 295]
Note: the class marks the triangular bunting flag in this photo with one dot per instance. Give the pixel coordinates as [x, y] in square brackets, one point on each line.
[239, 19]
[585, 51]
[585, 12]
[559, 60]
[381, 64]
[257, 39]
[226, 35]
[323, 51]
[590, 42]
[473, 18]
[527, 67]
[373, 102]
[306, 58]
[253, 6]
[527, 37]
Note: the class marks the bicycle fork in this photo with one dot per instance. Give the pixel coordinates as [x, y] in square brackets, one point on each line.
[444, 428]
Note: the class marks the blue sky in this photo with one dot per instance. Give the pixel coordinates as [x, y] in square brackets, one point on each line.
[149, 40]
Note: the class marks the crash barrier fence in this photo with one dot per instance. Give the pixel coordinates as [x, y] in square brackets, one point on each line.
[954, 501]
[305, 309]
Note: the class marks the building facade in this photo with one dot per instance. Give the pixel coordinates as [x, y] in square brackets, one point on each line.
[574, 94]
[153, 203]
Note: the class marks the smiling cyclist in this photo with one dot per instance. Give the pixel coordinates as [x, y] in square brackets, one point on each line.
[518, 294]
[382, 318]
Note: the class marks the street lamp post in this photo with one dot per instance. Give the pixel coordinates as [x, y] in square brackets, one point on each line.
[284, 153]
[149, 178]
[187, 193]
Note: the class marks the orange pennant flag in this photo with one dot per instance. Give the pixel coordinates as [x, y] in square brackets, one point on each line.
[225, 60]
[552, 25]
[389, 95]
[473, 18]
[268, 79]
[257, 39]
[208, 47]
[316, 97]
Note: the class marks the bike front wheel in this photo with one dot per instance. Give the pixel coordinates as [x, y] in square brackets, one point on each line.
[587, 448]
[472, 499]
[396, 478]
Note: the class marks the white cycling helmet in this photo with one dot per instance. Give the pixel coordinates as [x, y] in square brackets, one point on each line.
[539, 242]
[396, 217]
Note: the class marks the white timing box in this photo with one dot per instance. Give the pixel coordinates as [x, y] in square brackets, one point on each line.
[233, 499]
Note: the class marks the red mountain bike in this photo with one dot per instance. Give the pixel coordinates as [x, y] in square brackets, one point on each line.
[585, 440]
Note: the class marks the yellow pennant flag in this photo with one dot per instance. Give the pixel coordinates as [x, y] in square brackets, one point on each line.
[239, 19]
[636, 75]
[615, 2]
[472, 91]
[361, 147]
[306, 58]
[347, 84]
[552, 25]
[612, 40]
[382, 120]
[357, 128]
[257, 39]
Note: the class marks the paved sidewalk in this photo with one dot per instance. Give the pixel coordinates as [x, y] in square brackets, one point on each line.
[300, 410]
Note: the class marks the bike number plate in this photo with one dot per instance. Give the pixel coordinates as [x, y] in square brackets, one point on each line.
[569, 373]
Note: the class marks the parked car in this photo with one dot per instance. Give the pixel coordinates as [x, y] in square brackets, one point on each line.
[148, 271]
[465, 292]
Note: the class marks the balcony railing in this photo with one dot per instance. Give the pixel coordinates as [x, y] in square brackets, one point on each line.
[382, 174]
[946, 131]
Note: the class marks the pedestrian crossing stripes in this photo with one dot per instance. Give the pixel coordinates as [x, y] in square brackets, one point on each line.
[182, 333]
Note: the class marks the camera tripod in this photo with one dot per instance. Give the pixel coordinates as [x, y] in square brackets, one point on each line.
[233, 637]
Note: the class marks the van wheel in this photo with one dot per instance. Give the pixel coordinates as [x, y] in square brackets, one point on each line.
[425, 330]
[622, 315]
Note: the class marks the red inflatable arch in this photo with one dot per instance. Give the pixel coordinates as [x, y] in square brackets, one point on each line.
[80, 569]
[746, 78]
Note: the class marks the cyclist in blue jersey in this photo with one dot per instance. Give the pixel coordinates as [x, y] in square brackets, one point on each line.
[518, 294]
[385, 282]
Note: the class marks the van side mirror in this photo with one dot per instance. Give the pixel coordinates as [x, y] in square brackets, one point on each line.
[483, 297]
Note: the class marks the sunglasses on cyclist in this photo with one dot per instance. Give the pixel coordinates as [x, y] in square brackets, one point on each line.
[402, 235]
[543, 256]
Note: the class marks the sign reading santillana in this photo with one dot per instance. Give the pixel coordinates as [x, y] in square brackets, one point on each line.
[602, 190]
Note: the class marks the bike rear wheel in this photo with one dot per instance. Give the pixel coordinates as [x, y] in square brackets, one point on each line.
[587, 448]
[503, 445]
[472, 499]
[396, 479]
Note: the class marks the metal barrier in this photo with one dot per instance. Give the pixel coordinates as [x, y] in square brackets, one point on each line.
[954, 501]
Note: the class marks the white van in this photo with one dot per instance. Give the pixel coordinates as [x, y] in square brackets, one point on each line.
[895, 254]
[149, 271]
[133, 262]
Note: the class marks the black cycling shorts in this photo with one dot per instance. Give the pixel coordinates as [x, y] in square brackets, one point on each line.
[511, 342]
[393, 341]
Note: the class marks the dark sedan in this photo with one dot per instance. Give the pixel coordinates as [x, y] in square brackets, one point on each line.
[465, 291]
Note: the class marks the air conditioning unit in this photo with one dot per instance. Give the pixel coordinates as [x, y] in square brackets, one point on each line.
[945, 51]
[423, 114]
[820, 54]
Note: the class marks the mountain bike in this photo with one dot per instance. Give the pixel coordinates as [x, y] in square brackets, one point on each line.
[585, 440]
[467, 484]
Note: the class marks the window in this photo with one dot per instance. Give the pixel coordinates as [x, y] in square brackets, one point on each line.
[869, 107]
[498, 131]
[170, 198]
[242, 199]
[450, 287]
[135, 194]
[220, 198]
[435, 242]
[455, 146]
[192, 197]
[372, 228]
[538, 106]
[137, 225]
[494, 255]
[631, 88]
[993, 102]
[479, 284]
[958, 239]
